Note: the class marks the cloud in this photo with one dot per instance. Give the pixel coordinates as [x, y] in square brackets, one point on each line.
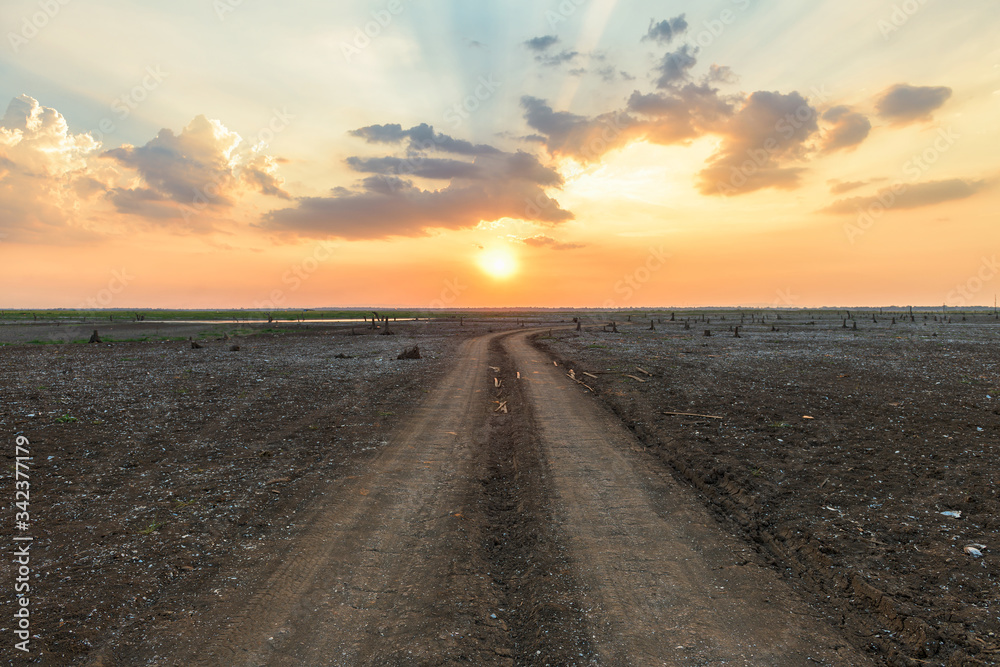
[665, 31]
[680, 114]
[421, 138]
[840, 187]
[543, 241]
[554, 60]
[770, 130]
[684, 113]
[904, 103]
[578, 136]
[541, 43]
[419, 166]
[200, 168]
[847, 129]
[494, 185]
[674, 68]
[721, 74]
[45, 181]
[911, 196]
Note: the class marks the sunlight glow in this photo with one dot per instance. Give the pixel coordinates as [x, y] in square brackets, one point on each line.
[499, 263]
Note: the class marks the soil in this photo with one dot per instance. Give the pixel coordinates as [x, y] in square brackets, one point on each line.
[155, 464]
[311, 499]
[837, 455]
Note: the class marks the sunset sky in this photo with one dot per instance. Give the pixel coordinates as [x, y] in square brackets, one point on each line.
[589, 153]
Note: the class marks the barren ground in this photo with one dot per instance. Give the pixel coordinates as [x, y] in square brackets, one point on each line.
[280, 505]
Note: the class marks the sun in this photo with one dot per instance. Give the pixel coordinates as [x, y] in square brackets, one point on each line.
[498, 262]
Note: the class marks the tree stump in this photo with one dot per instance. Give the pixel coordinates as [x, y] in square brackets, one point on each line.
[94, 338]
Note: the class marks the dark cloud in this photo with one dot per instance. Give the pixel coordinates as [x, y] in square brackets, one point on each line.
[496, 184]
[542, 241]
[609, 74]
[555, 60]
[541, 43]
[910, 196]
[665, 31]
[674, 68]
[421, 167]
[578, 136]
[422, 138]
[904, 103]
[770, 130]
[847, 128]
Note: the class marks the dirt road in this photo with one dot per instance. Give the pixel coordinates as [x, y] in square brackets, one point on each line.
[665, 585]
[533, 537]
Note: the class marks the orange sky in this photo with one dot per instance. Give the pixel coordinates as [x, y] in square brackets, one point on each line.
[501, 154]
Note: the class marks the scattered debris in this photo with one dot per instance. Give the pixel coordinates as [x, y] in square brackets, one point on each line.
[955, 514]
[690, 414]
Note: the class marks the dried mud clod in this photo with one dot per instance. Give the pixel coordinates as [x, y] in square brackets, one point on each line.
[410, 353]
